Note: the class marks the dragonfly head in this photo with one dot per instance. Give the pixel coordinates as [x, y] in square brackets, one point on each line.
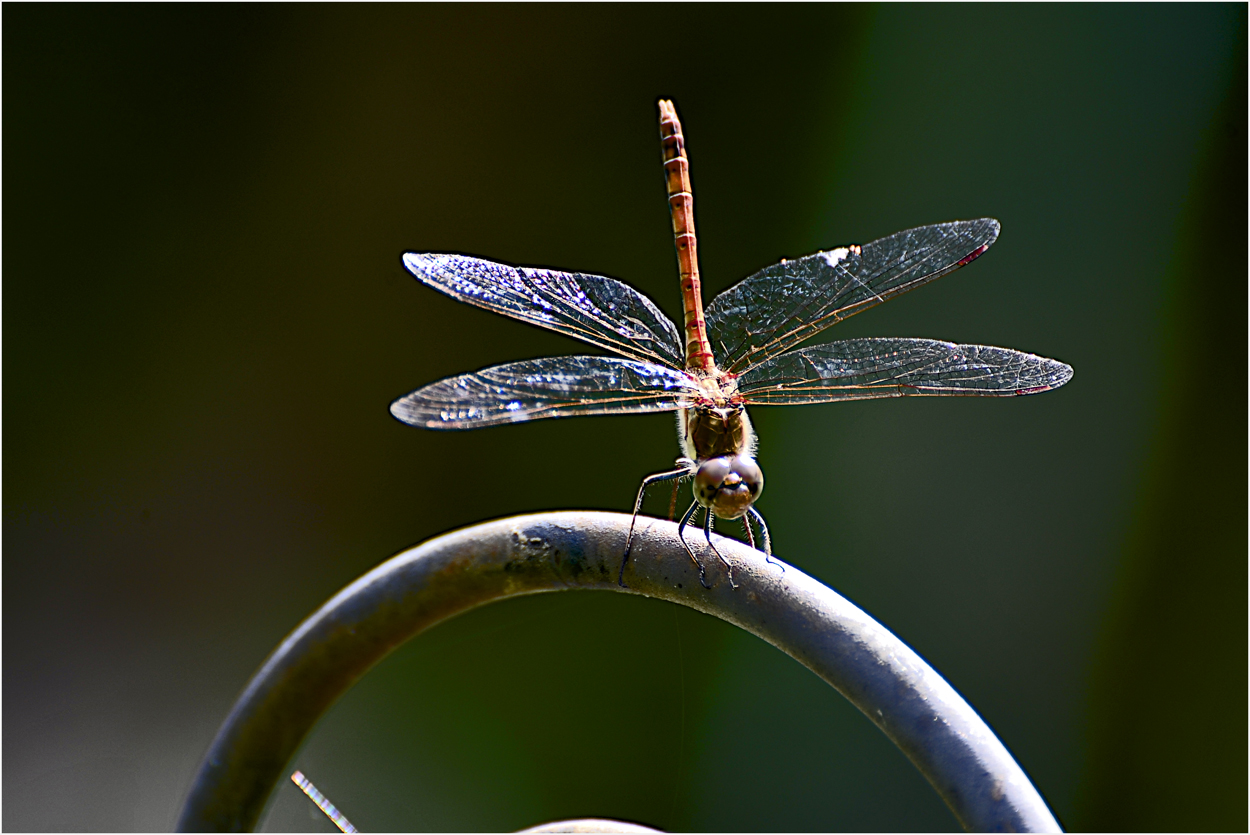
[728, 485]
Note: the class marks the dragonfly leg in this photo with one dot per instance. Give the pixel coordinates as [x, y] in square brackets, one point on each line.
[684, 469]
[768, 542]
[707, 532]
[681, 534]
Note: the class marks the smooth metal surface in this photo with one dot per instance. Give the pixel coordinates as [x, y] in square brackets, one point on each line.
[590, 825]
[427, 584]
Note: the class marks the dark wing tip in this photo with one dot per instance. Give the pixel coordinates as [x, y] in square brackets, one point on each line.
[413, 261]
[401, 410]
[1062, 373]
[992, 226]
[1051, 375]
[405, 410]
[983, 229]
[986, 228]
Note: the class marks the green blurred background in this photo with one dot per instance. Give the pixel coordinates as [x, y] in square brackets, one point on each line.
[205, 318]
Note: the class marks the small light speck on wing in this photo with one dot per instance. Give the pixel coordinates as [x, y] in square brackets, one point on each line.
[835, 256]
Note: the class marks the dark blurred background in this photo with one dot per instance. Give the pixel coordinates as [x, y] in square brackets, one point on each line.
[205, 318]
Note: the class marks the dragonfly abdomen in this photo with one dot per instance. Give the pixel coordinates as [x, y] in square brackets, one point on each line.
[681, 208]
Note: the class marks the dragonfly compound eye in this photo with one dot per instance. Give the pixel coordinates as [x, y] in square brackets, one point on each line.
[729, 486]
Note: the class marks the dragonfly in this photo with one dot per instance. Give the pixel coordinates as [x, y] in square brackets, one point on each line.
[741, 350]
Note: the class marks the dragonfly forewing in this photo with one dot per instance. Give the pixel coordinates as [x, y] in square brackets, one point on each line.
[869, 368]
[601, 311]
[546, 388]
[782, 305]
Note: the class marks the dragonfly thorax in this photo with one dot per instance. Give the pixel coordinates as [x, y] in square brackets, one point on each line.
[713, 432]
[721, 444]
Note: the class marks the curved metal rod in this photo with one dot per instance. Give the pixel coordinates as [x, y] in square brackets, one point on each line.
[453, 573]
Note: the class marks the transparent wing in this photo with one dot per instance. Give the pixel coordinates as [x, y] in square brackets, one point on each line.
[782, 305]
[545, 388]
[602, 311]
[866, 368]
